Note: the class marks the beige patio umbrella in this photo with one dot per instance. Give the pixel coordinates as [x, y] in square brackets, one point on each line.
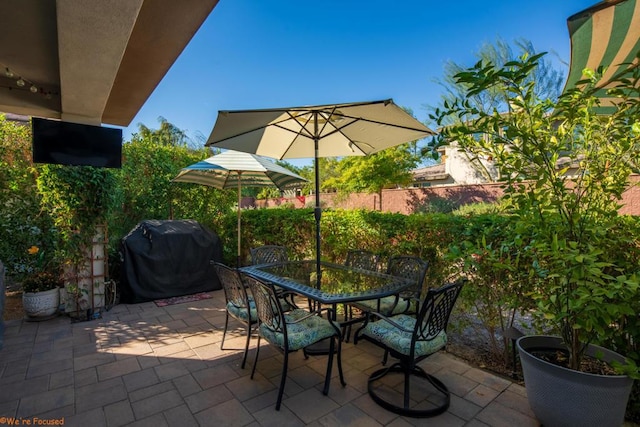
[337, 130]
[233, 169]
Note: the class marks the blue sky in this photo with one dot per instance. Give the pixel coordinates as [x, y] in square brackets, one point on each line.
[276, 53]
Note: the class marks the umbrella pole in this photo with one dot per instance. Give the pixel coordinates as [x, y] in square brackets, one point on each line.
[317, 211]
[238, 262]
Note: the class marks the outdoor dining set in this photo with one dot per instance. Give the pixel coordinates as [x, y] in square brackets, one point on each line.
[294, 306]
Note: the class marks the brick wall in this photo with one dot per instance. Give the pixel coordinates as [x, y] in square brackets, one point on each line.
[408, 200]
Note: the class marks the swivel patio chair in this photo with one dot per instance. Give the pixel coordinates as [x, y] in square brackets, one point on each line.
[291, 331]
[412, 339]
[269, 254]
[407, 267]
[239, 304]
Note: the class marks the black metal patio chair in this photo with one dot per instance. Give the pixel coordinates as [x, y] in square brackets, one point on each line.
[407, 267]
[292, 331]
[239, 304]
[363, 259]
[269, 254]
[412, 339]
[359, 258]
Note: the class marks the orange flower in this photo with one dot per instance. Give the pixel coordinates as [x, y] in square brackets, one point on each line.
[33, 250]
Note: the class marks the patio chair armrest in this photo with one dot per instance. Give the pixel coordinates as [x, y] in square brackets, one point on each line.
[311, 314]
[390, 321]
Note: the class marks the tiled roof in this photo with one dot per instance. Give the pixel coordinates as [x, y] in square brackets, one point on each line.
[430, 173]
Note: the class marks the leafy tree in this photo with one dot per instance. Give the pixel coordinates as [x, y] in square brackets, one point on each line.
[22, 221]
[167, 134]
[272, 192]
[565, 214]
[373, 173]
[548, 83]
[150, 161]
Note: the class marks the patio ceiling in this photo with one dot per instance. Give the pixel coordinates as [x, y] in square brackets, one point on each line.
[90, 62]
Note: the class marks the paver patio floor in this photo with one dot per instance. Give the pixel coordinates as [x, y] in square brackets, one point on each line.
[144, 365]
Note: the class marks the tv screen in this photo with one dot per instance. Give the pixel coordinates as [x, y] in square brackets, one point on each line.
[66, 143]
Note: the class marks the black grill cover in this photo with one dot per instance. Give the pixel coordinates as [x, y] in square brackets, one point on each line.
[163, 259]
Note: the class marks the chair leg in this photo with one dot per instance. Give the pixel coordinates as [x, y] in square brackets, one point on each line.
[348, 314]
[283, 379]
[224, 333]
[340, 363]
[327, 378]
[407, 388]
[255, 361]
[246, 346]
[385, 358]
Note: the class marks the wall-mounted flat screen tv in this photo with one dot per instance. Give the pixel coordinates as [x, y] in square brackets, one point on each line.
[66, 143]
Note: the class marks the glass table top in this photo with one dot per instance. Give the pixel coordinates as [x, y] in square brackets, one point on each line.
[338, 283]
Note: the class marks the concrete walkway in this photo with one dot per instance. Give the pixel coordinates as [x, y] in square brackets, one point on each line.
[144, 365]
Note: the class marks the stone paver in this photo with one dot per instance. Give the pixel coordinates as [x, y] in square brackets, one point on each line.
[143, 365]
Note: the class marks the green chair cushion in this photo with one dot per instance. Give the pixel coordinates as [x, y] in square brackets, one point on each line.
[301, 334]
[241, 313]
[386, 304]
[399, 340]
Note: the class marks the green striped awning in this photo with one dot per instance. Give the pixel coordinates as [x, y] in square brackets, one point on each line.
[606, 34]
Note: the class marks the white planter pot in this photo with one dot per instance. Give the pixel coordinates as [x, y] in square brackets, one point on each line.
[41, 304]
[563, 397]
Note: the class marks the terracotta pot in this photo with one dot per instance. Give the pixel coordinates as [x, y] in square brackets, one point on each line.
[41, 304]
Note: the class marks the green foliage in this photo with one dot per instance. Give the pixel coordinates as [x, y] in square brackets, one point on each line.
[327, 169]
[498, 287]
[41, 281]
[546, 82]
[427, 236]
[436, 204]
[23, 223]
[144, 188]
[564, 170]
[55, 208]
[481, 208]
[374, 172]
[78, 199]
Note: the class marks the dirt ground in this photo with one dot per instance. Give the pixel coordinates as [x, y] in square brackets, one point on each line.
[13, 303]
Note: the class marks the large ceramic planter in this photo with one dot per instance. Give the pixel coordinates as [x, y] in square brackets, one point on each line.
[563, 397]
[41, 305]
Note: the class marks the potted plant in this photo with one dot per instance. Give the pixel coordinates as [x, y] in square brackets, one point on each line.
[40, 289]
[564, 169]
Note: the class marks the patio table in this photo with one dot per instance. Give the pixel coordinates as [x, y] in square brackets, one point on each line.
[338, 283]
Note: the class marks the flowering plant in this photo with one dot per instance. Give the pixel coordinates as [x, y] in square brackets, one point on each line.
[42, 278]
